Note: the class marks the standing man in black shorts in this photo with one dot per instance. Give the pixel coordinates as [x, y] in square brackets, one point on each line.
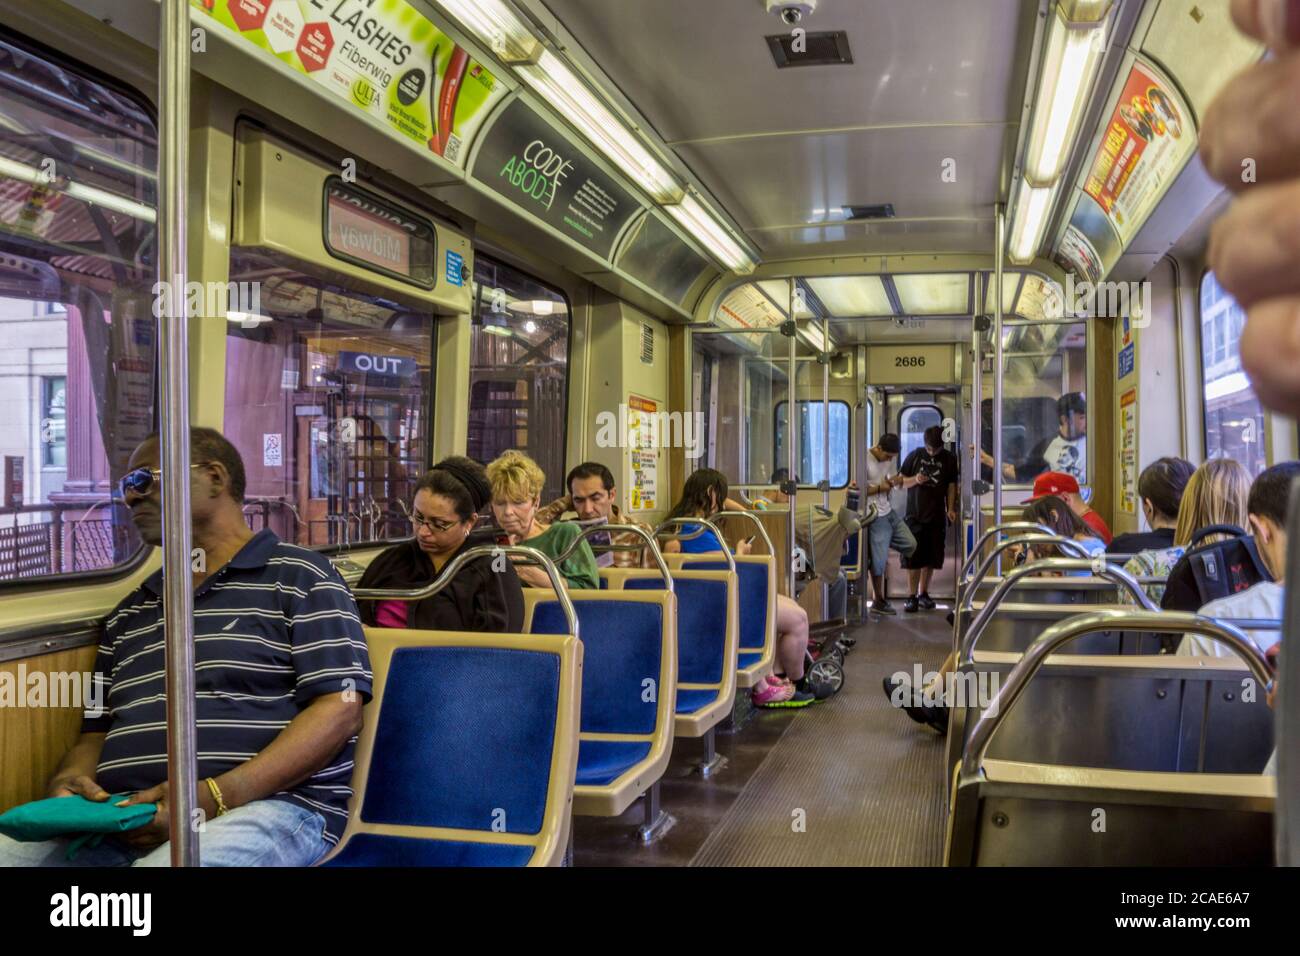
[930, 475]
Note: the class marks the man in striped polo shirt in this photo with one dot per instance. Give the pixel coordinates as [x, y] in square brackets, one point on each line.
[281, 674]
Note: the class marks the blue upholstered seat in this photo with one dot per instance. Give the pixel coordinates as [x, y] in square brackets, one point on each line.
[601, 762]
[373, 849]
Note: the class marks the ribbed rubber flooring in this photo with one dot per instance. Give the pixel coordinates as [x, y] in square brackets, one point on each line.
[868, 780]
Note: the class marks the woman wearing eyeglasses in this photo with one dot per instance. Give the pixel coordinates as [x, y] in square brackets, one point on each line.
[447, 503]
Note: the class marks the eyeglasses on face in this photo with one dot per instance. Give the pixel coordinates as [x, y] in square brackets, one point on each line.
[436, 525]
[141, 480]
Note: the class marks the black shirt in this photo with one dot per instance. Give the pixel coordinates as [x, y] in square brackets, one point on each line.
[928, 502]
[1135, 541]
[479, 598]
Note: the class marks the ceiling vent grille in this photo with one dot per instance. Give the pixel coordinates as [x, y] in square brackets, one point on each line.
[647, 343]
[879, 211]
[830, 48]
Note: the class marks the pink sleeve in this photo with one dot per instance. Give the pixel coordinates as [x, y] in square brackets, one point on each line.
[391, 614]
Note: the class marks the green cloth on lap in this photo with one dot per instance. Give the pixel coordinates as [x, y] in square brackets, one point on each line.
[73, 816]
[579, 570]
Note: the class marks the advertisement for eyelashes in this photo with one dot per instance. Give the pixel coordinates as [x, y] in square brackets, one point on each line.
[382, 56]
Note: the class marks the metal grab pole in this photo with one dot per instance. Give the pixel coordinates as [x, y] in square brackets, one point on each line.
[174, 451]
[999, 227]
[792, 434]
[826, 447]
[976, 472]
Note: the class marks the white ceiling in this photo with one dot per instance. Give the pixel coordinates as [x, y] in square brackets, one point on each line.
[782, 150]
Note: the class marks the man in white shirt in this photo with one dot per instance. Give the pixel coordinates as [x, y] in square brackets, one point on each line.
[1266, 511]
[888, 530]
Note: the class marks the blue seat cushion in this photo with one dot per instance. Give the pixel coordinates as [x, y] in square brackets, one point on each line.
[690, 701]
[701, 626]
[601, 762]
[751, 595]
[622, 648]
[464, 739]
[747, 660]
[373, 849]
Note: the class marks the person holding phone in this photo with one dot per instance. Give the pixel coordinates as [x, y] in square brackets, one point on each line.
[930, 475]
[888, 530]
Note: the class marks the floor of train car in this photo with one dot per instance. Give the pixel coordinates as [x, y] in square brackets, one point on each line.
[868, 779]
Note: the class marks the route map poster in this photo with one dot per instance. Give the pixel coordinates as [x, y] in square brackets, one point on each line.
[382, 56]
[1150, 137]
[643, 452]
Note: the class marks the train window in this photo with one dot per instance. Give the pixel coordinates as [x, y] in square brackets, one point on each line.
[326, 400]
[1044, 406]
[78, 160]
[519, 370]
[912, 423]
[1234, 418]
[812, 441]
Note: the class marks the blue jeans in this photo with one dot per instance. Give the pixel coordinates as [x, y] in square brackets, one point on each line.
[888, 531]
[261, 833]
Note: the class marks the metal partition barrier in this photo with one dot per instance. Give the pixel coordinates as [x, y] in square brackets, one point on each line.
[1118, 575]
[1061, 542]
[1161, 621]
[969, 564]
[530, 556]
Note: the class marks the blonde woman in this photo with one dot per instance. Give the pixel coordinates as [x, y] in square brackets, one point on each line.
[516, 482]
[1215, 494]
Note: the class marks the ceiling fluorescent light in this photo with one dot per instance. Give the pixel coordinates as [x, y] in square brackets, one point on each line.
[495, 25]
[700, 224]
[1069, 65]
[811, 333]
[565, 92]
[87, 194]
[1030, 219]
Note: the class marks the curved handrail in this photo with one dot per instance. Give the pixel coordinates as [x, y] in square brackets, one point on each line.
[705, 525]
[1063, 543]
[995, 530]
[620, 529]
[1117, 575]
[754, 518]
[1168, 622]
[450, 570]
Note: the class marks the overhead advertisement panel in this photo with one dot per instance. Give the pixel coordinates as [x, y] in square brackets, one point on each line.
[383, 57]
[545, 174]
[1149, 138]
[1090, 247]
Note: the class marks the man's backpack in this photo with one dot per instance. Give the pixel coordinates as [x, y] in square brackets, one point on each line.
[1211, 571]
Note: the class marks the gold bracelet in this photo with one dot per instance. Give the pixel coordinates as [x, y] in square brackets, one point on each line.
[216, 796]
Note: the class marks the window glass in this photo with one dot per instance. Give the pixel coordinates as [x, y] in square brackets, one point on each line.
[912, 423]
[1234, 418]
[812, 441]
[326, 400]
[77, 265]
[519, 370]
[1044, 406]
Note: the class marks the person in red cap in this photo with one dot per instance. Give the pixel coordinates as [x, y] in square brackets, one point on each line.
[1067, 489]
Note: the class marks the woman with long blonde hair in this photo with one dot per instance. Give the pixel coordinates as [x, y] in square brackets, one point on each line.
[1215, 494]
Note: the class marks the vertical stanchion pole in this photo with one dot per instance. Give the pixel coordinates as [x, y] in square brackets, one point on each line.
[976, 471]
[174, 454]
[826, 446]
[1286, 832]
[999, 225]
[792, 436]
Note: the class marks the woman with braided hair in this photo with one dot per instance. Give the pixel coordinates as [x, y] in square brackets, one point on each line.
[485, 595]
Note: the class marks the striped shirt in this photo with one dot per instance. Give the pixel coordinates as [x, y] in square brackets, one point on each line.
[273, 630]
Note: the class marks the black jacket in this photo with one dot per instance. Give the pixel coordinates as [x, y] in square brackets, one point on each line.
[478, 598]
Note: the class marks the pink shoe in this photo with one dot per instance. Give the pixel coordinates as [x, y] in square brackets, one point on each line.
[773, 679]
[770, 695]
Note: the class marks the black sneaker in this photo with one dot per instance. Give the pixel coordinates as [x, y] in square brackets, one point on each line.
[883, 607]
[910, 605]
[926, 602]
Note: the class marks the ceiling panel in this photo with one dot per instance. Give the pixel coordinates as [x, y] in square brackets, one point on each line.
[885, 236]
[703, 69]
[940, 293]
[882, 331]
[784, 181]
[853, 295]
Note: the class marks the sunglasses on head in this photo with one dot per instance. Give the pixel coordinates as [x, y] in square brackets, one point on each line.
[141, 480]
